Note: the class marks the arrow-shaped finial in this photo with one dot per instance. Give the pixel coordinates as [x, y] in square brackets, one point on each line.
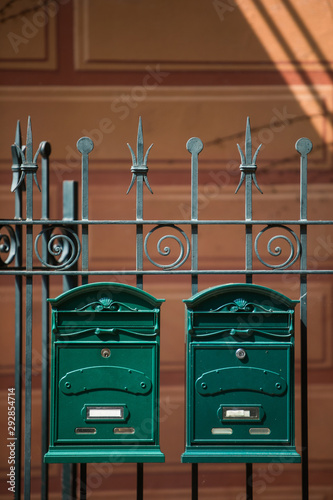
[28, 161]
[248, 142]
[18, 135]
[17, 158]
[139, 166]
[248, 164]
[29, 146]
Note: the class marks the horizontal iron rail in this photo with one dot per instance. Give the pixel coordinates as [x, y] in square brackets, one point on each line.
[60, 222]
[53, 272]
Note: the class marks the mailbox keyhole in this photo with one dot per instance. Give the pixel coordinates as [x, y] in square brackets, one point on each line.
[105, 353]
[240, 354]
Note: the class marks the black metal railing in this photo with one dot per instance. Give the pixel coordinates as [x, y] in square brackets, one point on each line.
[61, 249]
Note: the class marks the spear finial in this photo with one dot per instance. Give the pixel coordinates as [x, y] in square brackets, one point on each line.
[25, 153]
[248, 164]
[18, 135]
[139, 166]
[17, 158]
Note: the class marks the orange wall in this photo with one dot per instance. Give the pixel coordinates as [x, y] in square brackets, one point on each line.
[189, 68]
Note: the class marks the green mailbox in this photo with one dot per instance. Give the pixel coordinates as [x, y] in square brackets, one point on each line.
[105, 375]
[240, 376]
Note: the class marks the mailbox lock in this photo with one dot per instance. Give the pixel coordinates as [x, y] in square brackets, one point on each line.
[105, 353]
[240, 354]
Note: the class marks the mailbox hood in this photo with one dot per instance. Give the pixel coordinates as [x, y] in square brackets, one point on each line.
[240, 296]
[106, 309]
[110, 296]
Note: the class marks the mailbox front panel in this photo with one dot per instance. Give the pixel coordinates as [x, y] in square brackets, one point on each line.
[240, 401]
[106, 393]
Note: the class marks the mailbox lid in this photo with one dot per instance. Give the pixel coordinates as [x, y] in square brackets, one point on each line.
[240, 311]
[103, 309]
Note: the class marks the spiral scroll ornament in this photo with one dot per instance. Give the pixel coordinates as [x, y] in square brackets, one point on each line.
[292, 240]
[184, 247]
[8, 245]
[63, 248]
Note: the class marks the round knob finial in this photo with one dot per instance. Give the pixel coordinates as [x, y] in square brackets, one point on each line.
[303, 146]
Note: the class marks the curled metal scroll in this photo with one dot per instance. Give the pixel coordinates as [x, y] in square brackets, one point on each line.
[8, 245]
[64, 247]
[295, 247]
[183, 252]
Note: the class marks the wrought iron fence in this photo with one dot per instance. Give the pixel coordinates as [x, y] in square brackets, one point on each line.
[61, 249]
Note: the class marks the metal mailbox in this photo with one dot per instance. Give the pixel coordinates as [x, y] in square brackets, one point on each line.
[105, 375]
[240, 376]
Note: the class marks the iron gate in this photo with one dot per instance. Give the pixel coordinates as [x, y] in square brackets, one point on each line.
[61, 247]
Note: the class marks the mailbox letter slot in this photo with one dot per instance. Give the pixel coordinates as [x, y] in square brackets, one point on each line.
[240, 413]
[105, 413]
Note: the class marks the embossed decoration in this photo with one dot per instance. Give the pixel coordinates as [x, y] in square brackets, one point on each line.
[241, 305]
[8, 245]
[184, 251]
[105, 304]
[63, 248]
[295, 247]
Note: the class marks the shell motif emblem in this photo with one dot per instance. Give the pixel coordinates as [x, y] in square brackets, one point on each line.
[240, 303]
[105, 303]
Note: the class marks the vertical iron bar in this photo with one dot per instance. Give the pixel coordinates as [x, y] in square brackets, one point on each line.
[139, 171]
[248, 261]
[249, 485]
[139, 230]
[85, 145]
[18, 365]
[139, 284]
[69, 212]
[195, 482]
[304, 146]
[194, 146]
[248, 228]
[139, 481]
[18, 321]
[248, 267]
[29, 169]
[83, 481]
[68, 482]
[45, 152]
[248, 168]
[28, 340]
